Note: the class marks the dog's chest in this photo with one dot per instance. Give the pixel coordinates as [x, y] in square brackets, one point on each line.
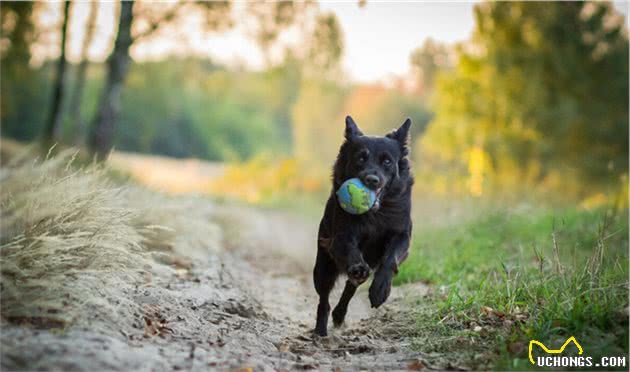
[372, 245]
[388, 216]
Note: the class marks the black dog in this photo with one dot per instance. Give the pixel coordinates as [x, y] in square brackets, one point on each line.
[378, 239]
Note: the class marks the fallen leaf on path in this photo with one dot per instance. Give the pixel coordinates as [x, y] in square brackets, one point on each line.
[490, 311]
[154, 322]
[520, 317]
[416, 365]
[516, 347]
[283, 347]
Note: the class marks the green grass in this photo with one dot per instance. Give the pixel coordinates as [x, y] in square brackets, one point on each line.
[527, 274]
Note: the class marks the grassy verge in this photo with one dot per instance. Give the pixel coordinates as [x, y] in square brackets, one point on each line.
[75, 245]
[510, 277]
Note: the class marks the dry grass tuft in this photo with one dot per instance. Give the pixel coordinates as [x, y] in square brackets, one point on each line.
[78, 249]
[65, 239]
[75, 246]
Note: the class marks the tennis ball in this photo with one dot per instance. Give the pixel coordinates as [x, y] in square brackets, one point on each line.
[354, 197]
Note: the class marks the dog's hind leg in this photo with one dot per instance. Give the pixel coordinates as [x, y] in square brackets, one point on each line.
[339, 313]
[324, 276]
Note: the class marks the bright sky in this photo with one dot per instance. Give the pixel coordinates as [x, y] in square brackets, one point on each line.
[378, 37]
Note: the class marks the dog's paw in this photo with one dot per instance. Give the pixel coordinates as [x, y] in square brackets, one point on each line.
[380, 289]
[358, 273]
[320, 332]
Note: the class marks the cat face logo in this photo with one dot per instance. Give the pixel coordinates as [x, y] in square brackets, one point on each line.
[553, 351]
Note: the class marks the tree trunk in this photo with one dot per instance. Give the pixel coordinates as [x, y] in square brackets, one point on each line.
[51, 131]
[77, 93]
[109, 106]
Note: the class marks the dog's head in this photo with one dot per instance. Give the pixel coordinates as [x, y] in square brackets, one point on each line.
[379, 162]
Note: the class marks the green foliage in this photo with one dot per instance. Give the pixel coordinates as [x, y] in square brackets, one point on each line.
[193, 108]
[390, 110]
[183, 107]
[325, 46]
[427, 62]
[269, 19]
[553, 274]
[541, 89]
[180, 108]
[22, 91]
[17, 30]
[319, 111]
[317, 119]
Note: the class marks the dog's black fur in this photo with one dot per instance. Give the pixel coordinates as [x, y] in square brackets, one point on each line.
[377, 240]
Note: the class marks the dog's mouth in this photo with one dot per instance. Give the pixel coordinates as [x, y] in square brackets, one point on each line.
[379, 191]
[377, 202]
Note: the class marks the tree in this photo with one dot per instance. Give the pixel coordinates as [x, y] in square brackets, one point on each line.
[16, 77]
[540, 91]
[18, 35]
[270, 18]
[102, 131]
[317, 121]
[77, 93]
[267, 20]
[117, 66]
[426, 62]
[54, 121]
[325, 46]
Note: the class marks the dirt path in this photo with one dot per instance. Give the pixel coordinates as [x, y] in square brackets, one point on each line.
[249, 305]
[281, 277]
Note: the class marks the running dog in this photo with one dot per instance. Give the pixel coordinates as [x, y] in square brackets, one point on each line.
[356, 245]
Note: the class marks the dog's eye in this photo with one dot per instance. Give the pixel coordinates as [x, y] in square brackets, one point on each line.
[362, 158]
[387, 162]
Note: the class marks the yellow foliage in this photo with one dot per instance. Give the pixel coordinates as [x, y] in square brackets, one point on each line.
[317, 122]
[618, 197]
[477, 161]
[263, 178]
[594, 201]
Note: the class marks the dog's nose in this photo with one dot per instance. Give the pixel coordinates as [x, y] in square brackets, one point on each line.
[371, 181]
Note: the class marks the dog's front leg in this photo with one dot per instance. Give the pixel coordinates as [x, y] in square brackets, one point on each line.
[346, 253]
[396, 250]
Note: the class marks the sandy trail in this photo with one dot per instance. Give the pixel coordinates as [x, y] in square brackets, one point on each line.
[250, 305]
[276, 271]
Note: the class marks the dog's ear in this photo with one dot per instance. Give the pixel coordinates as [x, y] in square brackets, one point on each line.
[401, 134]
[352, 130]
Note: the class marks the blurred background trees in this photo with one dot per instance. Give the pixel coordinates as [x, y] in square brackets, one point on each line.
[76, 121]
[21, 86]
[537, 96]
[54, 121]
[540, 94]
[102, 131]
